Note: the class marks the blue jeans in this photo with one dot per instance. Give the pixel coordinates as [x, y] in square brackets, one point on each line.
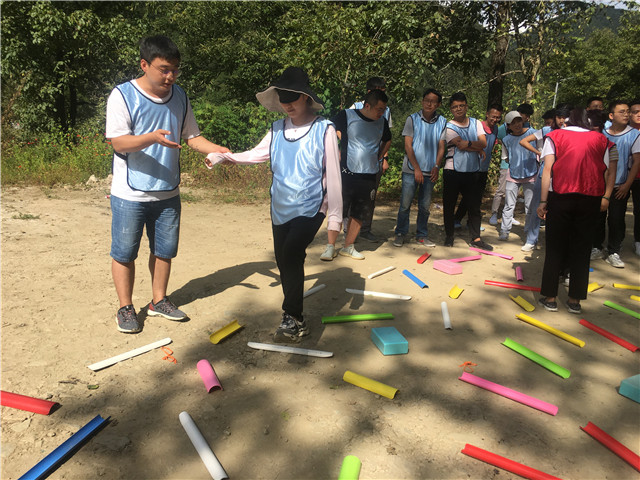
[409, 187]
[532, 222]
[161, 218]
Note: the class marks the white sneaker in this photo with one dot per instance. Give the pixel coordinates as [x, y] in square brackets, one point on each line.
[329, 253]
[515, 222]
[504, 236]
[528, 247]
[494, 219]
[351, 251]
[614, 260]
[596, 253]
[637, 248]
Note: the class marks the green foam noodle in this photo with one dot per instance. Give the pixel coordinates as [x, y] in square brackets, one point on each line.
[358, 318]
[539, 359]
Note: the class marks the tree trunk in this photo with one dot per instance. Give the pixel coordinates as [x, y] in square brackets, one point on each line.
[73, 105]
[498, 58]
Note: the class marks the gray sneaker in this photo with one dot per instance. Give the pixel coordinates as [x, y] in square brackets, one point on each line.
[329, 253]
[290, 329]
[614, 260]
[351, 251]
[398, 241]
[127, 320]
[166, 309]
[425, 242]
[596, 253]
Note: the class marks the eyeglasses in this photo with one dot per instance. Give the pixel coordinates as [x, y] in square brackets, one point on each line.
[165, 73]
[458, 107]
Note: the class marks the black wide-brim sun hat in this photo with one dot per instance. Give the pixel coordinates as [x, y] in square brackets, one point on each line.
[293, 79]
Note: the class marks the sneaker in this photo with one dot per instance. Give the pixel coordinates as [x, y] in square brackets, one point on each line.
[481, 244]
[637, 248]
[448, 242]
[596, 253]
[127, 320]
[528, 247]
[329, 253]
[166, 309]
[515, 222]
[494, 219]
[398, 241]
[290, 329]
[457, 224]
[504, 236]
[481, 228]
[369, 236]
[574, 307]
[614, 260]
[425, 242]
[550, 306]
[351, 251]
[543, 223]
[566, 280]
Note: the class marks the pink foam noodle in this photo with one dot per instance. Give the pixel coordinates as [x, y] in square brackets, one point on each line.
[465, 259]
[509, 393]
[519, 276]
[208, 375]
[487, 252]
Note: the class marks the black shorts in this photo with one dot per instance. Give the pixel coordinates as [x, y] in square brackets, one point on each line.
[360, 193]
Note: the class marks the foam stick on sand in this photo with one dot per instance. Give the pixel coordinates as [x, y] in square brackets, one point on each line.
[313, 290]
[380, 272]
[547, 328]
[627, 287]
[350, 469]
[224, 332]
[523, 303]
[28, 404]
[415, 279]
[445, 316]
[60, 454]
[506, 464]
[287, 349]
[612, 444]
[493, 283]
[208, 375]
[369, 384]
[622, 309]
[465, 259]
[509, 393]
[132, 353]
[455, 291]
[378, 294]
[593, 286]
[207, 456]
[363, 317]
[634, 297]
[539, 359]
[487, 252]
[519, 277]
[609, 335]
[423, 258]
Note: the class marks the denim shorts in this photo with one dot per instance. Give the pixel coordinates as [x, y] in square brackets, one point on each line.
[162, 219]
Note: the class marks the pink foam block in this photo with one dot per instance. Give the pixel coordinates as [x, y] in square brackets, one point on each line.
[465, 259]
[509, 393]
[208, 375]
[447, 266]
[519, 276]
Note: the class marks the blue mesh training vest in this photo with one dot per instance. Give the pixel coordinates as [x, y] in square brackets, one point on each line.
[624, 143]
[522, 162]
[488, 150]
[155, 168]
[297, 167]
[426, 136]
[364, 143]
[466, 161]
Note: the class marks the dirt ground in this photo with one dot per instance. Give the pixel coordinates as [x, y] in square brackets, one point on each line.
[284, 416]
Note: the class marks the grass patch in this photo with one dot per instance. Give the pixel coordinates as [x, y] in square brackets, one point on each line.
[25, 216]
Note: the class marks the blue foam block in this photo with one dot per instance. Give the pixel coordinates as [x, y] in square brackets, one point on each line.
[389, 341]
[630, 387]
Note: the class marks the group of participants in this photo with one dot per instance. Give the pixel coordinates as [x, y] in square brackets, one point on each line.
[331, 169]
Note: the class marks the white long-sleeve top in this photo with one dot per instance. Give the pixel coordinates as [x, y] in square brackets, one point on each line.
[331, 179]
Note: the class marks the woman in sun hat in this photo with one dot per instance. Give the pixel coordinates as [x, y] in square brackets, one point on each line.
[306, 185]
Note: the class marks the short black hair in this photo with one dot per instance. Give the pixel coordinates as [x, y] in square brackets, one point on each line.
[525, 108]
[549, 114]
[592, 99]
[615, 103]
[374, 83]
[435, 92]
[458, 97]
[597, 119]
[374, 96]
[158, 46]
[495, 106]
[635, 101]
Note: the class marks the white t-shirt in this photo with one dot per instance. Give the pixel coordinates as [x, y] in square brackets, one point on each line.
[451, 134]
[118, 124]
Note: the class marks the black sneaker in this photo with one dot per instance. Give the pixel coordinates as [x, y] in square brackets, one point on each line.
[166, 309]
[574, 307]
[481, 244]
[448, 242]
[369, 236]
[290, 329]
[127, 320]
[550, 306]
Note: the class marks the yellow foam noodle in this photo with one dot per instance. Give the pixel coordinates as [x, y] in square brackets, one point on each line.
[635, 297]
[225, 331]
[456, 291]
[523, 303]
[544, 326]
[369, 384]
[628, 287]
[592, 287]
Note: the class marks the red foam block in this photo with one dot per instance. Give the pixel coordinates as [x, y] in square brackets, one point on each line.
[423, 258]
[29, 404]
[506, 464]
[511, 285]
[609, 335]
[612, 444]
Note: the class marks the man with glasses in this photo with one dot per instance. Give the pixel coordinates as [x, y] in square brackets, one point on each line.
[146, 120]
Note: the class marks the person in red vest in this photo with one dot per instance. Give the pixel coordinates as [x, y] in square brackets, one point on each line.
[577, 182]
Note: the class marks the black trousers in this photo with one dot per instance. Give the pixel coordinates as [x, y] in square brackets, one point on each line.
[635, 194]
[469, 184]
[613, 218]
[290, 242]
[461, 211]
[569, 229]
